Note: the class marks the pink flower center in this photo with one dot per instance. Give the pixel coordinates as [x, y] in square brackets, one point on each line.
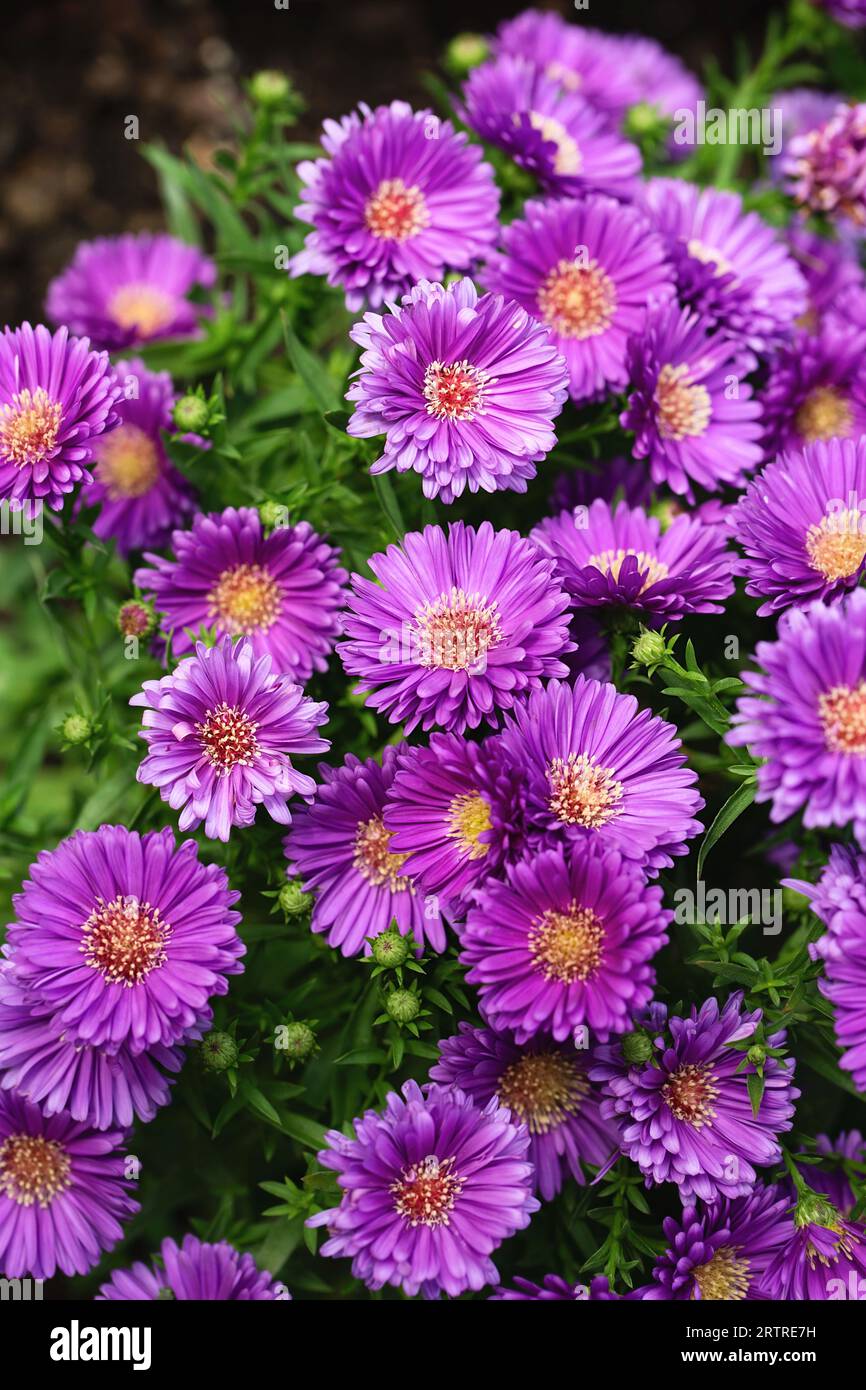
[611, 561]
[457, 631]
[124, 940]
[395, 212]
[542, 1090]
[843, 714]
[128, 463]
[582, 792]
[454, 391]
[824, 414]
[33, 1169]
[29, 426]
[228, 738]
[375, 861]
[689, 1094]
[684, 410]
[577, 301]
[567, 946]
[246, 599]
[142, 308]
[425, 1193]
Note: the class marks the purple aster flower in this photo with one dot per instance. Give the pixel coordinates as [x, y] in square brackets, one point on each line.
[555, 134]
[620, 557]
[401, 197]
[283, 591]
[851, 13]
[125, 937]
[545, 1087]
[455, 815]
[564, 942]
[579, 58]
[56, 396]
[194, 1270]
[686, 1115]
[825, 168]
[833, 1181]
[140, 493]
[555, 1288]
[341, 850]
[587, 268]
[430, 1188]
[601, 769]
[654, 77]
[834, 280]
[459, 625]
[802, 109]
[816, 389]
[825, 1259]
[63, 1192]
[130, 289]
[464, 389]
[614, 480]
[801, 525]
[221, 731]
[731, 267]
[807, 715]
[691, 409]
[722, 1251]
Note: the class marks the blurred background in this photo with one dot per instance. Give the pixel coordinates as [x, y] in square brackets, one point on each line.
[72, 70]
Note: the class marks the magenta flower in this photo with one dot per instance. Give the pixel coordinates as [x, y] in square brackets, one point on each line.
[722, 1251]
[825, 168]
[194, 1270]
[816, 388]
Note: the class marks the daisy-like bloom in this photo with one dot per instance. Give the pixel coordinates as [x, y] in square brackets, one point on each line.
[579, 58]
[140, 494]
[555, 1288]
[556, 135]
[722, 1251]
[588, 269]
[125, 937]
[686, 1115]
[430, 1188]
[816, 389]
[460, 624]
[455, 815]
[565, 941]
[802, 109]
[620, 558]
[801, 525]
[56, 397]
[400, 197]
[283, 591]
[601, 769]
[825, 1259]
[221, 732]
[63, 1191]
[130, 289]
[731, 267]
[691, 408]
[340, 848]
[195, 1269]
[825, 168]
[464, 389]
[806, 715]
[614, 480]
[545, 1087]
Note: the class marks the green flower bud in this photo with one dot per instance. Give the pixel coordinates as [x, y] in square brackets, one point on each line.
[273, 514]
[135, 618]
[76, 729]
[299, 1041]
[645, 119]
[637, 1046]
[403, 1005]
[757, 1055]
[292, 899]
[465, 52]
[270, 88]
[190, 414]
[649, 648]
[219, 1051]
[813, 1209]
[390, 949]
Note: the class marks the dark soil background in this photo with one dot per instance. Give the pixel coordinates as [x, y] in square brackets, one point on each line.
[72, 70]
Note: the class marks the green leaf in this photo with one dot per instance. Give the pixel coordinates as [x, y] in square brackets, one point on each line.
[755, 1083]
[310, 370]
[736, 804]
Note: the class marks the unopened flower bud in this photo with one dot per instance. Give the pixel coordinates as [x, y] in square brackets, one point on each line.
[402, 1005]
[390, 949]
[219, 1051]
[190, 414]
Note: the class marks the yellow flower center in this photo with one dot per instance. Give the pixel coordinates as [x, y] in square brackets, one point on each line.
[725, 1276]
[577, 301]
[824, 414]
[33, 1169]
[611, 562]
[124, 940]
[29, 426]
[690, 1092]
[566, 77]
[468, 819]
[543, 1090]
[836, 545]
[375, 861]
[454, 391]
[128, 463]
[568, 159]
[395, 212]
[582, 792]
[843, 714]
[142, 308]
[456, 631]
[228, 738]
[425, 1193]
[684, 410]
[708, 255]
[245, 599]
[567, 946]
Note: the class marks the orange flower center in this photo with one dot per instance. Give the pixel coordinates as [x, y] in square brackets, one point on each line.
[228, 738]
[29, 426]
[457, 631]
[33, 1169]
[128, 463]
[454, 391]
[543, 1090]
[143, 308]
[245, 599]
[425, 1193]
[375, 861]
[567, 946]
[824, 414]
[577, 301]
[843, 714]
[684, 410]
[395, 212]
[582, 792]
[689, 1094]
[124, 940]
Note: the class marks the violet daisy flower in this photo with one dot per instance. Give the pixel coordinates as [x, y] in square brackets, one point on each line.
[621, 558]
[459, 626]
[141, 495]
[613, 480]
[455, 815]
[601, 769]
[588, 269]
[63, 1191]
[691, 409]
[825, 1259]
[125, 936]
[401, 197]
[130, 289]
[341, 850]
[195, 1270]
[801, 525]
[833, 1181]
[564, 943]
[430, 1188]
[221, 732]
[283, 591]
[801, 109]
[731, 267]
[555, 134]
[806, 715]
[686, 1116]
[851, 13]
[56, 397]
[816, 389]
[722, 1251]
[835, 283]
[654, 78]
[579, 58]
[555, 1288]
[464, 389]
[545, 1087]
[825, 168]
